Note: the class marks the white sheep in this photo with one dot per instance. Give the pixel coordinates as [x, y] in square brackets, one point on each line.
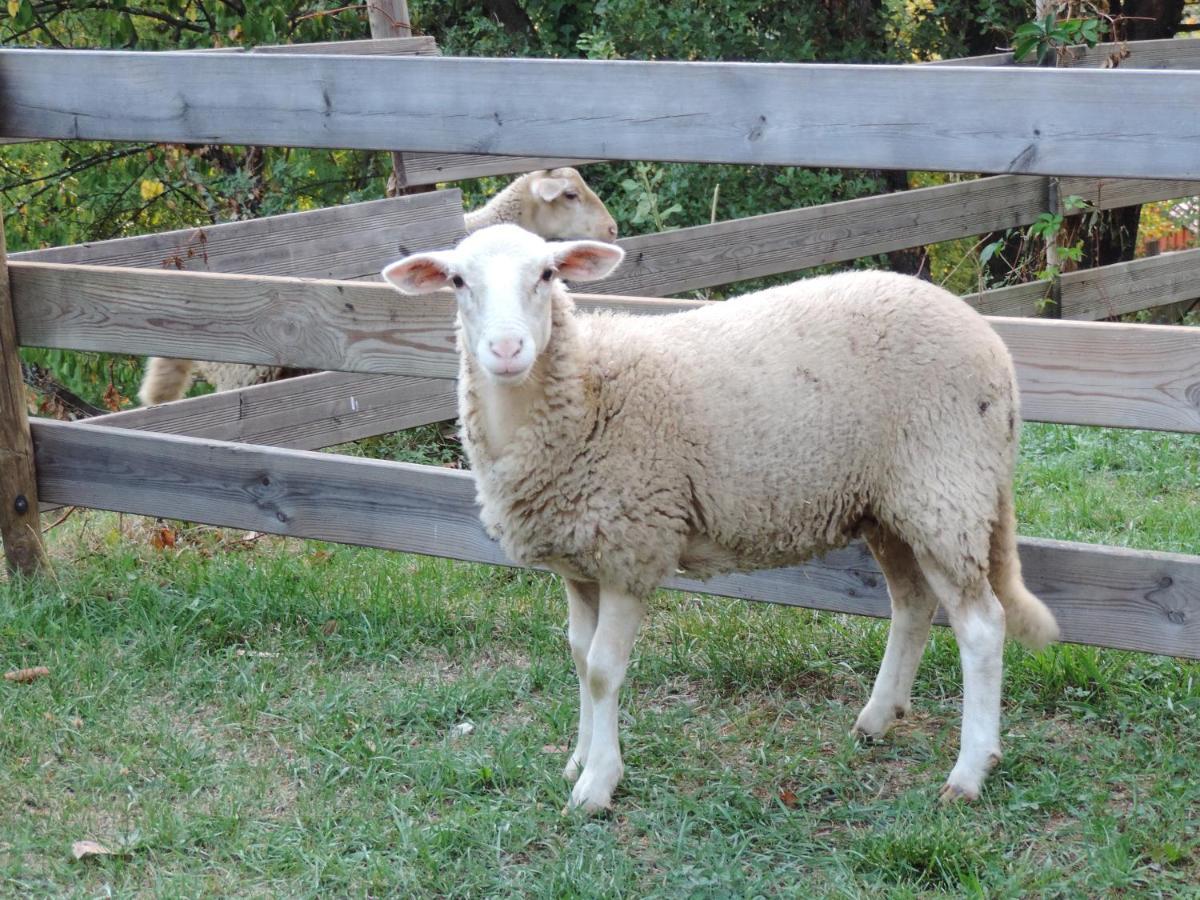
[555, 203]
[618, 450]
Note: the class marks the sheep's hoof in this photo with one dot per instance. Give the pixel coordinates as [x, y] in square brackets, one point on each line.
[593, 791]
[874, 722]
[954, 793]
[573, 769]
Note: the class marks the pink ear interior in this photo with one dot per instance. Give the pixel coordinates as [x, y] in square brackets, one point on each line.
[417, 274]
[587, 260]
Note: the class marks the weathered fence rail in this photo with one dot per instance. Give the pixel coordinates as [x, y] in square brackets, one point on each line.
[1133, 600]
[861, 116]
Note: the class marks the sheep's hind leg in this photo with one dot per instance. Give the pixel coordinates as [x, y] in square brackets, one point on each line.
[978, 622]
[583, 602]
[617, 624]
[913, 606]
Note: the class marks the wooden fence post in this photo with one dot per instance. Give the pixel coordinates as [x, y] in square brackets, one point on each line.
[389, 19]
[19, 525]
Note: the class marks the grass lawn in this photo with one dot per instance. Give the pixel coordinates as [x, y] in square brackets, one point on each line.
[276, 718]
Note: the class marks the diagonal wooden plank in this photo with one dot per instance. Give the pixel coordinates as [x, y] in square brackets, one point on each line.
[1102, 595]
[351, 241]
[922, 117]
[1168, 53]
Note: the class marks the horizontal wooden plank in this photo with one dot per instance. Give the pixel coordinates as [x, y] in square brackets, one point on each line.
[1101, 373]
[351, 241]
[1117, 598]
[435, 168]
[1168, 53]
[405, 46]
[1153, 382]
[1119, 123]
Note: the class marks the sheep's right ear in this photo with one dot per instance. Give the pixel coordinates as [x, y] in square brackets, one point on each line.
[586, 260]
[418, 274]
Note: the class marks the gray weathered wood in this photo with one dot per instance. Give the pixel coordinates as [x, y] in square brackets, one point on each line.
[20, 531]
[389, 18]
[866, 116]
[434, 168]
[305, 413]
[390, 46]
[350, 241]
[1153, 382]
[725, 252]
[1102, 595]
[1103, 292]
[1169, 53]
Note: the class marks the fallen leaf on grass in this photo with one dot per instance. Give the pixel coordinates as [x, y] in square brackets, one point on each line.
[788, 798]
[555, 748]
[24, 676]
[462, 729]
[163, 537]
[87, 849]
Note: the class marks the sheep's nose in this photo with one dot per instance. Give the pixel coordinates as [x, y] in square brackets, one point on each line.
[506, 348]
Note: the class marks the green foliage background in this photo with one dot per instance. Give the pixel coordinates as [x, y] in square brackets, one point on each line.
[57, 193]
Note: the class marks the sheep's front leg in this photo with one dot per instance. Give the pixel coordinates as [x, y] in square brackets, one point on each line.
[583, 603]
[617, 624]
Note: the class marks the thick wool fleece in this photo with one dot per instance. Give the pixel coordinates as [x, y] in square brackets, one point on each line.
[760, 432]
[169, 379]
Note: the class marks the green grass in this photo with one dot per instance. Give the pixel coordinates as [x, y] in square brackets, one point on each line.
[274, 719]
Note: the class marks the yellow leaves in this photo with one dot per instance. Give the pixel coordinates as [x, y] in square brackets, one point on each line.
[14, 6]
[151, 188]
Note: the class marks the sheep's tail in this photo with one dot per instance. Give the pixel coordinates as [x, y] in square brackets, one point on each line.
[1028, 619]
[165, 380]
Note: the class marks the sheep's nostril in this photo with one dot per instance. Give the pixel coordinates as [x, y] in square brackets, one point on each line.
[506, 348]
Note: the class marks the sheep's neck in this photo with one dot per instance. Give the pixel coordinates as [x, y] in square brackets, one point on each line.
[501, 411]
[505, 409]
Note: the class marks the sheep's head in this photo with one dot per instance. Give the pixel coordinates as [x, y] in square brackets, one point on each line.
[504, 279]
[560, 206]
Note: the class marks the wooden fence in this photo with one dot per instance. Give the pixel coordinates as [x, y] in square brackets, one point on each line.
[217, 293]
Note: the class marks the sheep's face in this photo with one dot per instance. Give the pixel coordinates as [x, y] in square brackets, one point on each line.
[504, 279]
[562, 207]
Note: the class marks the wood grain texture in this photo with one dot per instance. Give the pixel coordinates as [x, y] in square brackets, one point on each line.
[306, 413]
[1107, 596]
[391, 46]
[921, 117]
[725, 252]
[1104, 292]
[352, 241]
[1132, 376]
[20, 530]
[1170, 53]
[1102, 373]
[434, 168]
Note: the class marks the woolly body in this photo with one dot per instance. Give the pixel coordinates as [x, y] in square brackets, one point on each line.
[754, 433]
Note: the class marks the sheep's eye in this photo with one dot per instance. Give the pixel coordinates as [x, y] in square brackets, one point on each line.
[571, 195]
[547, 274]
[457, 281]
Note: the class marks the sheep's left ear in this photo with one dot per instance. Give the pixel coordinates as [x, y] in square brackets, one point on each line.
[586, 260]
[549, 188]
[419, 274]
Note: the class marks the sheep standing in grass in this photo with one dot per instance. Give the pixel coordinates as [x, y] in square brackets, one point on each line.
[555, 203]
[759, 432]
